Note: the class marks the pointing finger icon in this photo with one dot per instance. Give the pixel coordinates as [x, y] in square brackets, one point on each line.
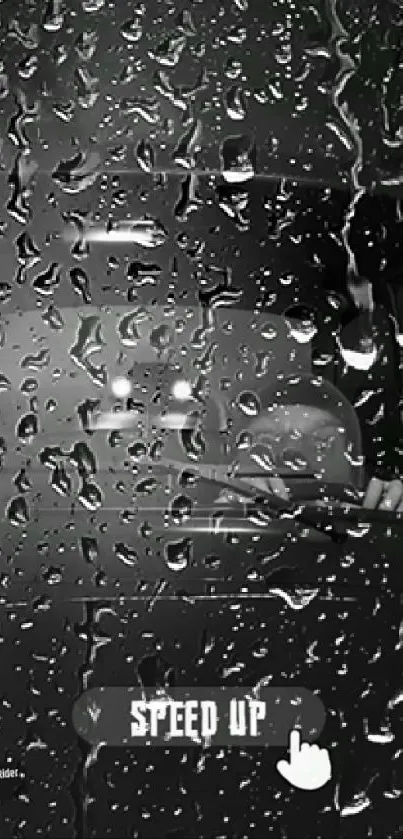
[309, 766]
[295, 743]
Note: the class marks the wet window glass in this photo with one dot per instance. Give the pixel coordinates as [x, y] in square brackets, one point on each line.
[200, 202]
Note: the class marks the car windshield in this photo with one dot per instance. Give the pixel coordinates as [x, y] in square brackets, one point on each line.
[201, 326]
[142, 333]
[163, 304]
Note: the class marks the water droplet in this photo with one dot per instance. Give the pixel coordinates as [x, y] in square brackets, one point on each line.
[181, 508]
[86, 45]
[89, 341]
[90, 496]
[83, 458]
[53, 576]
[78, 173]
[127, 329]
[238, 159]
[36, 362]
[53, 18]
[5, 383]
[29, 386]
[146, 487]
[53, 318]
[301, 322]
[137, 450]
[81, 284]
[192, 440]
[235, 103]
[125, 554]
[132, 30]
[161, 338]
[177, 554]
[60, 481]
[248, 403]
[145, 156]
[47, 281]
[169, 50]
[27, 427]
[269, 331]
[17, 511]
[89, 549]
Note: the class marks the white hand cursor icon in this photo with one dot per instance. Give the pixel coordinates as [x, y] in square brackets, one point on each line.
[309, 766]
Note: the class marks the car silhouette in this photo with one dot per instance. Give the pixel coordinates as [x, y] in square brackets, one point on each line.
[126, 377]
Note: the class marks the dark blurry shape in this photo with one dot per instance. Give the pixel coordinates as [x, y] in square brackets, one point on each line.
[338, 511]
[394, 291]
[319, 394]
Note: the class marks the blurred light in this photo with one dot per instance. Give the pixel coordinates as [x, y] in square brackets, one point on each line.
[122, 234]
[121, 387]
[175, 421]
[113, 421]
[182, 390]
[399, 339]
